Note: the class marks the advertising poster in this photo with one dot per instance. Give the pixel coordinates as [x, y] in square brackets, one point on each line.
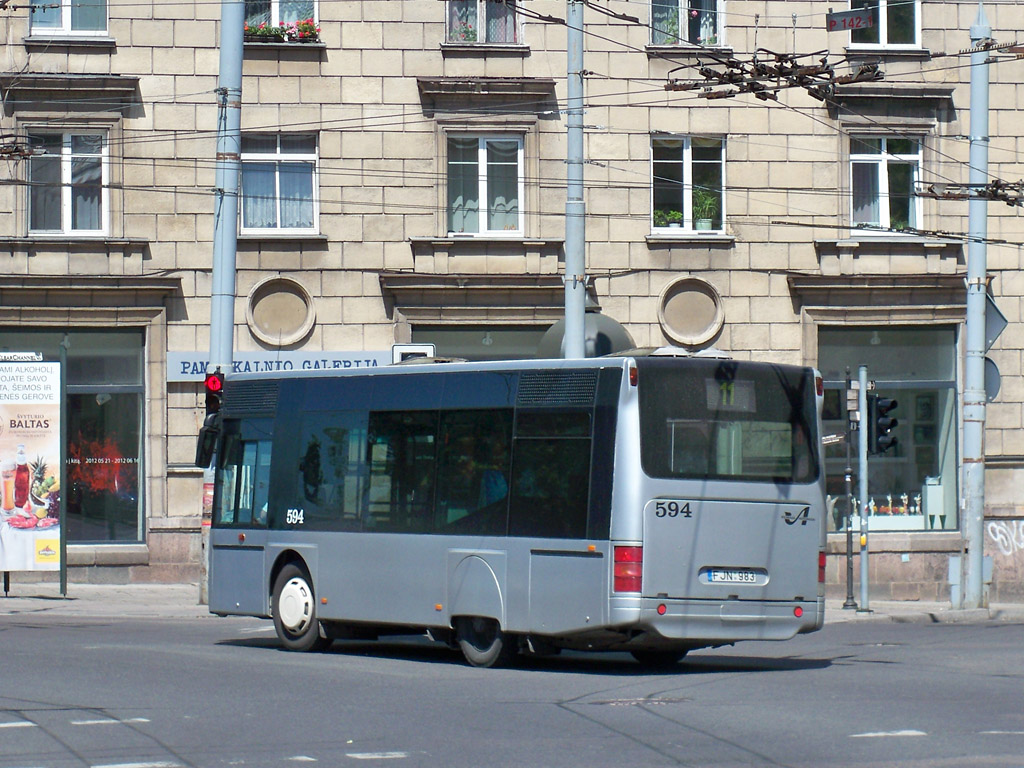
[30, 455]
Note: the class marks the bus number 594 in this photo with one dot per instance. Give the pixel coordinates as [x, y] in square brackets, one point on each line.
[672, 509]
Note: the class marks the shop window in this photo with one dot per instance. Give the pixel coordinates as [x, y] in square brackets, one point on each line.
[485, 185]
[883, 175]
[279, 183]
[695, 22]
[102, 499]
[67, 175]
[482, 21]
[896, 23]
[78, 17]
[913, 485]
[687, 183]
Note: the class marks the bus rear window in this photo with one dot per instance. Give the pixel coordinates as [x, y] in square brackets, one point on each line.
[715, 419]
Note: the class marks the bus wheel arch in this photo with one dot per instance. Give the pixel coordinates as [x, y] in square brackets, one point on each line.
[483, 642]
[293, 606]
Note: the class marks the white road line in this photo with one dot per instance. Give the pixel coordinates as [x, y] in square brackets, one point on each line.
[109, 721]
[158, 764]
[1001, 733]
[377, 755]
[883, 734]
[19, 724]
[303, 759]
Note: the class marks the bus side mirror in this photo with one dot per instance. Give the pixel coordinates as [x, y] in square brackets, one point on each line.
[207, 441]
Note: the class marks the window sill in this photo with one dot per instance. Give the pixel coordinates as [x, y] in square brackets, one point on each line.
[484, 49]
[69, 41]
[71, 240]
[690, 236]
[481, 239]
[888, 52]
[284, 45]
[687, 49]
[310, 237]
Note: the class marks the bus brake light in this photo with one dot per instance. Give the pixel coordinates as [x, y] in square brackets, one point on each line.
[821, 567]
[628, 569]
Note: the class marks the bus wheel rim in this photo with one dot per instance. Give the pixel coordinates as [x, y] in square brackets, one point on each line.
[295, 605]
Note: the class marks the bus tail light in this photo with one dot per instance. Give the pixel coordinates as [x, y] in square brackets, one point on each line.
[821, 567]
[634, 376]
[629, 568]
[819, 386]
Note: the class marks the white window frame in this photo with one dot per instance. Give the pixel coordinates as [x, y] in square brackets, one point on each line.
[279, 158]
[67, 158]
[275, 14]
[881, 162]
[688, 224]
[706, 36]
[482, 192]
[457, 37]
[882, 25]
[65, 27]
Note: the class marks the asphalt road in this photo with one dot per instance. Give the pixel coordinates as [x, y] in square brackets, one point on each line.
[155, 693]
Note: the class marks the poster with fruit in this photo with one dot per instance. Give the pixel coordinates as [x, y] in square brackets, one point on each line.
[30, 460]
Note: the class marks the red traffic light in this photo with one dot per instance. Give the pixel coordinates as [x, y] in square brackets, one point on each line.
[215, 382]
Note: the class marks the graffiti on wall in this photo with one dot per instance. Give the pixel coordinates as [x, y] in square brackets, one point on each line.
[1008, 535]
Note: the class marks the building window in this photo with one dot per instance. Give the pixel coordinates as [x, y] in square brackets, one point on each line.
[67, 175]
[85, 17]
[883, 173]
[688, 175]
[896, 23]
[278, 12]
[482, 21]
[685, 21]
[913, 485]
[279, 180]
[485, 185]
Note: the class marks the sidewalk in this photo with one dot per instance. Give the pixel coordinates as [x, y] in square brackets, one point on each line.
[181, 601]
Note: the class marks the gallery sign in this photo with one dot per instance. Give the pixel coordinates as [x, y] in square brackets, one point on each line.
[191, 366]
[30, 462]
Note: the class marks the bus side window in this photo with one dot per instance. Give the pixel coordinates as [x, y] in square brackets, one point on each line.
[330, 475]
[229, 459]
[473, 472]
[551, 474]
[401, 451]
[244, 482]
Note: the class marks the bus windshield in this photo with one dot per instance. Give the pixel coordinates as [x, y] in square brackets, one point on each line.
[723, 419]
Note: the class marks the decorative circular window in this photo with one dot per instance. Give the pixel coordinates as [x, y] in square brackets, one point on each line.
[280, 311]
[690, 311]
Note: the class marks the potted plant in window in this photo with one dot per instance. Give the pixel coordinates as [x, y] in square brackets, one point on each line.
[264, 33]
[668, 218]
[305, 31]
[666, 29]
[705, 207]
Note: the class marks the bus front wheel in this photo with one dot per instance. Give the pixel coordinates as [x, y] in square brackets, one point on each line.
[294, 609]
[483, 643]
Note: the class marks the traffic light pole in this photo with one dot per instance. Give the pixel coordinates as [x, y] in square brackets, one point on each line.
[573, 342]
[862, 485]
[977, 294]
[850, 431]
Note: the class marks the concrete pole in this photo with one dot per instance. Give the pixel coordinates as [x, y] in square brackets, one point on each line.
[862, 484]
[573, 343]
[225, 216]
[225, 219]
[974, 365]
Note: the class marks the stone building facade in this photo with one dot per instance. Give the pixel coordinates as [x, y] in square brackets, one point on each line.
[404, 166]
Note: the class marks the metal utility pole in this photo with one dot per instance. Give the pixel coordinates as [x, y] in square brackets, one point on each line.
[225, 217]
[851, 427]
[573, 343]
[225, 214]
[977, 290]
[862, 485]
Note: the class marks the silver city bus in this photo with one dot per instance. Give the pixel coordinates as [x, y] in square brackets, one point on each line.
[647, 502]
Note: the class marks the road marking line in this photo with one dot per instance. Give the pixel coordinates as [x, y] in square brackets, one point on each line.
[19, 724]
[883, 734]
[109, 721]
[377, 755]
[1001, 733]
[159, 764]
[303, 759]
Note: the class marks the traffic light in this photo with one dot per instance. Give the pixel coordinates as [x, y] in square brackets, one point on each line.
[214, 391]
[880, 423]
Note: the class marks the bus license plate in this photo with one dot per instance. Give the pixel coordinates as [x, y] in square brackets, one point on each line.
[732, 576]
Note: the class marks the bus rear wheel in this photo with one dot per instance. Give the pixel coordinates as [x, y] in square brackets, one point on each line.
[661, 659]
[294, 609]
[483, 643]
